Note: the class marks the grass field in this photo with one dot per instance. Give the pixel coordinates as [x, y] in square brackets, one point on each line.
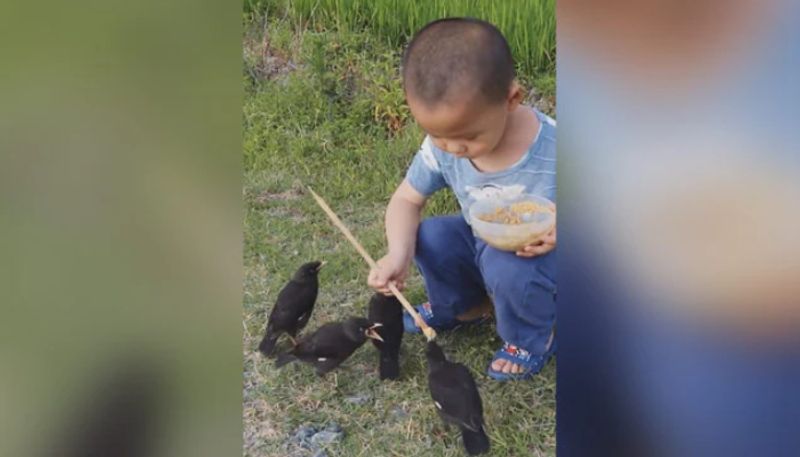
[529, 26]
[324, 107]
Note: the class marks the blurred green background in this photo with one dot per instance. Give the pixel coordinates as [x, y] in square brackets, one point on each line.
[120, 221]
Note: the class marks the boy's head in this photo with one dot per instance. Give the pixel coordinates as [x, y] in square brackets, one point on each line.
[458, 75]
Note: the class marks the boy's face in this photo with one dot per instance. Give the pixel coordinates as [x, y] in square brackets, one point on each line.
[464, 129]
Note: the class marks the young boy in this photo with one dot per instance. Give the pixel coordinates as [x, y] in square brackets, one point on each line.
[458, 76]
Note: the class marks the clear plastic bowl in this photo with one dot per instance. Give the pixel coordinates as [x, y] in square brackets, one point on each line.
[511, 237]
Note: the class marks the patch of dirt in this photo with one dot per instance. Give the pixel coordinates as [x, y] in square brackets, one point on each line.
[265, 197]
[258, 426]
[293, 214]
[263, 61]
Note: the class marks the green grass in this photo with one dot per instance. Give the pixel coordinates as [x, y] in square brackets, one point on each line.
[324, 107]
[528, 25]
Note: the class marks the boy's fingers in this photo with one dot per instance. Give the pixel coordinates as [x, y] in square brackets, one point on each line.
[380, 275]
[376, 281]
[380, 283]
[539, 250]
[400, 285]
[534, 250]
[546, 240]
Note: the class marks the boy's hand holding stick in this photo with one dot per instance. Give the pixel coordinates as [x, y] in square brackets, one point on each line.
[430, 334]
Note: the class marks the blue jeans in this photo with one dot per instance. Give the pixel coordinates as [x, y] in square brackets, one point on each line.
[460, 270]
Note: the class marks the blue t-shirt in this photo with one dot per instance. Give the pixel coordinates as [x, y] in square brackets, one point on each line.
[535, 173]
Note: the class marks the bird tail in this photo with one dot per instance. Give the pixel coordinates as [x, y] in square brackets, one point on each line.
[283, 359]
[267, 346]
[475, 442]
[389, 368]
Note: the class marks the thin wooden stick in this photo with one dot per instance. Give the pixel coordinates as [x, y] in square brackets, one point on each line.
[430, 333]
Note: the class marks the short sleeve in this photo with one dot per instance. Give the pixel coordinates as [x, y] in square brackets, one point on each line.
[425, 173]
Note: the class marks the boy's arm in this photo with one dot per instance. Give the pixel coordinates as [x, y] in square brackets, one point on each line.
[402, 221]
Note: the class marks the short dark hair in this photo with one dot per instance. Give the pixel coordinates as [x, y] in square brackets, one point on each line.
[456, 53]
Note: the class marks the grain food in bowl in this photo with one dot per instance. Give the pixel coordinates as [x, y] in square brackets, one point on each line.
[512, 223]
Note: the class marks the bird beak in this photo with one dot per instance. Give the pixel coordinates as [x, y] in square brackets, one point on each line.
[321, 264]
[371, 333]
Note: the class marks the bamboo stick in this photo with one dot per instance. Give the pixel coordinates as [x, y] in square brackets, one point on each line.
[430, 333]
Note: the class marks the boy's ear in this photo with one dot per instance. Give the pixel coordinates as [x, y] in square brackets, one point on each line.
[515, 95]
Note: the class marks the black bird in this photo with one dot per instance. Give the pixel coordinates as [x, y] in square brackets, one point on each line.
[293, 307]
[457, 398]
[331, 344]
[389, 312]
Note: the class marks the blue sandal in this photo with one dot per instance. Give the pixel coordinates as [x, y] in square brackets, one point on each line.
[531, 364]
[426, 314]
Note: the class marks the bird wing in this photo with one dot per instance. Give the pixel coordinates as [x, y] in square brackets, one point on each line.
[295, 301]
[318, 344]
[326, 348]
[325, 364]
[302, 321]
[453, 388]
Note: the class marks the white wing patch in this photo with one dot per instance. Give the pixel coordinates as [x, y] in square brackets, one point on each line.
[321, 359]
[495, 191]
[437, 404]
[426, 151]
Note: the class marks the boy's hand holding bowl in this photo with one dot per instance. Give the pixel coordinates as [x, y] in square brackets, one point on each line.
[524, 224]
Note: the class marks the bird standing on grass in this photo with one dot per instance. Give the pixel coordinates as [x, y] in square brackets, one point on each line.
[331, 344]
[388, 311]
[293, 307]
[457, 398]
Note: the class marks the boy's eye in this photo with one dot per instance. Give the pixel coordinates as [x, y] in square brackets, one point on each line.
[471, 137]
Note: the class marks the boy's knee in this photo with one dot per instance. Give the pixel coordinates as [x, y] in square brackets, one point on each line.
[433, 233]
[437, 234]
[431, 241]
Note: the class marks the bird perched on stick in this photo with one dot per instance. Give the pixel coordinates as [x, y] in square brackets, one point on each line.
[457, 398]
[388, 311]
[331, 344]
[293, 307]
